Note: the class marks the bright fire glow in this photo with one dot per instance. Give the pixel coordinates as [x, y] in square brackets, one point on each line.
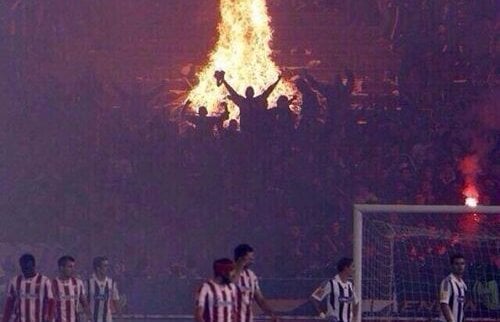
[471, 195]
[243, 51]
[469, 167]
[471, 202]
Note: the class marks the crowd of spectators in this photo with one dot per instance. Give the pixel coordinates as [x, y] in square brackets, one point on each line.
[163, 192]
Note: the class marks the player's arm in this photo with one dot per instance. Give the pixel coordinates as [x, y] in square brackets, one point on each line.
[200, 302]
[355, 313]
[318, 296]
[445, 308]
[8, 309]
[444, 299]
[82, 299]
[84, 302]
[264, 305]
[355, 306]
[10, 301]
[115, 299]
[198, 314]
[317, 307]
[50, 302]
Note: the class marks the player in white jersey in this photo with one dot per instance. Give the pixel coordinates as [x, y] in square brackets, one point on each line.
[102, 292]
[216, 300]
[342, 301]
[248, 284]
[452, 291]
[69, 292]
[29, 295]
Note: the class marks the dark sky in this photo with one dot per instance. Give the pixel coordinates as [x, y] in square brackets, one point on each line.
[152, 39]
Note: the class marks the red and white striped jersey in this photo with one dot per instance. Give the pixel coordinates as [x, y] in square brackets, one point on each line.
[248, 284]
[219, 302]
[68, 295]
[31, 297]
[100, 295]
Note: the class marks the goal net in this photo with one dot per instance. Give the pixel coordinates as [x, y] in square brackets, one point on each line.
[402, 253]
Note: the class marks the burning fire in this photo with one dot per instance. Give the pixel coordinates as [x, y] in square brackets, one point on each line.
[243, 51]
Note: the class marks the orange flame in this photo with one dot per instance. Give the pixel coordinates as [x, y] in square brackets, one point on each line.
[243, 51]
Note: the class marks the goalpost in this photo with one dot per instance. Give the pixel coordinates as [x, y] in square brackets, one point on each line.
[401, 253]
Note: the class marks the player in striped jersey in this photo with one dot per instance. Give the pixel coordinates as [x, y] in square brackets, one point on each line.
[248, 284]
[29, 295]
[102, 292]
[452, 291]
[342, 301]
[69, 292]
[216, 300]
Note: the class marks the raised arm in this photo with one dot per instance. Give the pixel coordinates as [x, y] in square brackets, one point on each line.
[184, 112]
[271, 88]
[230, 89]
[219, 75]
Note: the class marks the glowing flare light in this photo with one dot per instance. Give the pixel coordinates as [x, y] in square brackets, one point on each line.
[471, 202]
[243, 51]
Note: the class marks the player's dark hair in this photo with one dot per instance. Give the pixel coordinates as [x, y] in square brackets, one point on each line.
[222, 265]
[241, 250]
[62, 261]
[455, 257]
[343, 263]
[25, 259]
[97, 261]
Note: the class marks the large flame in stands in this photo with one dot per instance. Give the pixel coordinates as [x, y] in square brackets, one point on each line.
[243, 51]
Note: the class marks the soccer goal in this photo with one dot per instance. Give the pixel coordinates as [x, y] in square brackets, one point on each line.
[401, 253]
